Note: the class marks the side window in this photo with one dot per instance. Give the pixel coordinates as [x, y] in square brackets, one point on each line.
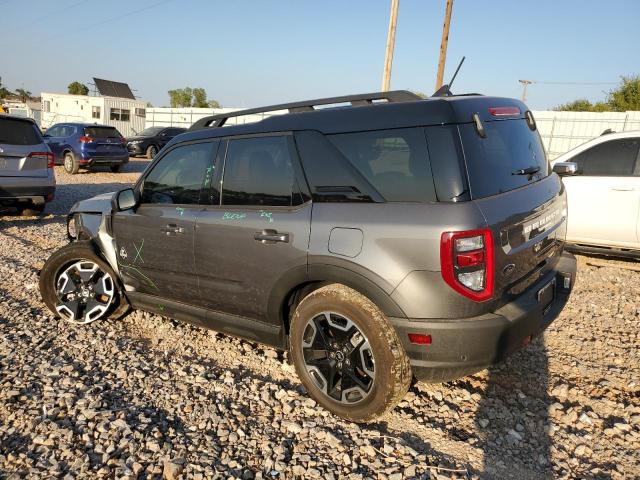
[259, 171]
[615, 158]
[395, 162]
[53, 131]
[178, 177]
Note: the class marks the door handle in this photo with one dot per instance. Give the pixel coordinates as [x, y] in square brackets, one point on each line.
[271, 236]
[172, 229]
[623, 189]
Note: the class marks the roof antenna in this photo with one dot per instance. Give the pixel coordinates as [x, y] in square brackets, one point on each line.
[445, 90]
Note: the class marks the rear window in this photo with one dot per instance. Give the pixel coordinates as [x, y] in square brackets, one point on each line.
[494, 162]
[395, 162]
[18, 132]
[102, 132]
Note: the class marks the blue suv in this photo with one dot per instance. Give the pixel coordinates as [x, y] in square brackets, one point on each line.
[84, 145]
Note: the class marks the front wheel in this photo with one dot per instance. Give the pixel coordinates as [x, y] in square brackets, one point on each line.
[79, 286]
[151, 151]
[347, 354]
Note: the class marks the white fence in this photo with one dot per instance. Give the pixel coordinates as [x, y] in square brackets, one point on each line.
[185, 117]
[560, 131]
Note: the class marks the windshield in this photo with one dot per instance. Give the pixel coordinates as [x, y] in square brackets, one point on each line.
[510, 156]
[150, 132]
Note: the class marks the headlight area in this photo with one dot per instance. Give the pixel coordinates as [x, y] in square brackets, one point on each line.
[73, 226]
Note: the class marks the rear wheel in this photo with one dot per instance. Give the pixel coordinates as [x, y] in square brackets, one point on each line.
[77, 285]
[151, 151]
[347, 354]
[71, 165]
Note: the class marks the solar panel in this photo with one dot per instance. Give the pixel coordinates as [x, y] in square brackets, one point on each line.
[109, 88]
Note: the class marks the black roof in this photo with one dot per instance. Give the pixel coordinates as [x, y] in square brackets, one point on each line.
[407, 110]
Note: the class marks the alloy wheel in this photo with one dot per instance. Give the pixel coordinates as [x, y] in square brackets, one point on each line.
[84, 292]
[338, 357]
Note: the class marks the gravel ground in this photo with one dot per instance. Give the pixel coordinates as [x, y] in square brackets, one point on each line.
[147, 397]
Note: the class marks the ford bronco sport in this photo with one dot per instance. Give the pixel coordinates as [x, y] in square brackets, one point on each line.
[384, 239]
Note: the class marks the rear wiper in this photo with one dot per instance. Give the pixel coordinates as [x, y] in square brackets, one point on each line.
[526, 171]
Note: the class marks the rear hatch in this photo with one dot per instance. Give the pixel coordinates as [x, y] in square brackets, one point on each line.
[523, 202]
[105, 142]
[20, 144]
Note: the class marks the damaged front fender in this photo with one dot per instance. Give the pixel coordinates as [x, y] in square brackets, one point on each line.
[90, 219]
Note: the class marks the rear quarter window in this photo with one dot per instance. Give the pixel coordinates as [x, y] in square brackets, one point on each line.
[395, 162]
[493, 162]
[18, 132]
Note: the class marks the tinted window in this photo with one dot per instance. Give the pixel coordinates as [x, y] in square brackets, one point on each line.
[172, 132]
[395, 162]
[179, 175]
[493, 162]
[65, 131]
[102, 132]
[614, 158]
[150, 132]
[54, 131]
[18, 132]
[259, 171]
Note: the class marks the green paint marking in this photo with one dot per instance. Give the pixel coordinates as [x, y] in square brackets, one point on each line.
[233, 216]
[138, 252]
[180, 211]
[147, 280]
[267, 215]
[161, 307]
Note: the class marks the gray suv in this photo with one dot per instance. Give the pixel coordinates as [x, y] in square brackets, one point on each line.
[386, 239]
[27, 180]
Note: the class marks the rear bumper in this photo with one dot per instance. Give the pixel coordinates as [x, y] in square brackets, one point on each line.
[34, 195]
[463, 346]
[104, 161]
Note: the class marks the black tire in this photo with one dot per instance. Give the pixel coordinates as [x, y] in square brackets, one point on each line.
[151, 151]
[31, 211]
[70, 163]
[116, 168]
[67, 255]
[390, 375]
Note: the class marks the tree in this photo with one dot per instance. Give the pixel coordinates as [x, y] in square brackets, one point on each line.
[23, 94]
[3, 91]
[190, 97]
[627, 96]
[580, 105]
[199, 98]
[77, 88]
[624, 98]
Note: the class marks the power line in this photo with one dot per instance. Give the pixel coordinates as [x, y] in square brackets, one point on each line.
[574, 83]
[119, 17]
[58, 12]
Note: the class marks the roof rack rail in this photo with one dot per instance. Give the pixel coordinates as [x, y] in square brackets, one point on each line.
[393, 96]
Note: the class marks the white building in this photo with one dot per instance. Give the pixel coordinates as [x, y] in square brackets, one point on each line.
[28, 109]
[127, 115]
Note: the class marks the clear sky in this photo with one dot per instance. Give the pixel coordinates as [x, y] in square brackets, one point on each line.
[250, 53]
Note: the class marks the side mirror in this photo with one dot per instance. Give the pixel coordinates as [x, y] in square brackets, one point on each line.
[564, 169]
[126, 199]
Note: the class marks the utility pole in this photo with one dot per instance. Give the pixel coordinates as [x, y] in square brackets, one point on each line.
[391, 41]
[525, 84]
[443, 44]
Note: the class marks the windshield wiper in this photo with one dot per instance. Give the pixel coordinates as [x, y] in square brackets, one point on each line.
[526, 171]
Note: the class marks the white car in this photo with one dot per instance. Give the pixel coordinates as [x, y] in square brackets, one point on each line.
[604, 194]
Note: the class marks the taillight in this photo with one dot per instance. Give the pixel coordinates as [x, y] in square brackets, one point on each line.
[466, 259]
[86, 139]
[504, 111]
[123, 141]
[48, 156]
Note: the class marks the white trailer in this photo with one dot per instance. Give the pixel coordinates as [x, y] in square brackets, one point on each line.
[127, 115]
